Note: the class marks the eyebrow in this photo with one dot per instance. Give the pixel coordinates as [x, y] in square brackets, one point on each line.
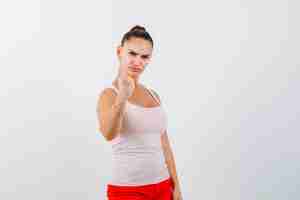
[137, 53]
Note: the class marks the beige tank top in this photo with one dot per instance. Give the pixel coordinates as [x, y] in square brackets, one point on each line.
[137, 154]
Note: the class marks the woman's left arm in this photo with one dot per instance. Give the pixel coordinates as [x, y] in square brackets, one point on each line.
[170, 161]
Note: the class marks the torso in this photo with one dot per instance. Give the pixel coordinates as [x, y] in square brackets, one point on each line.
[137, 154]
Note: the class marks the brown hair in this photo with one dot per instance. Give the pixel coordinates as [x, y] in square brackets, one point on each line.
[137, 32]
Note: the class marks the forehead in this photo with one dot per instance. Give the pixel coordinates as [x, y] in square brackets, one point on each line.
[138, 45]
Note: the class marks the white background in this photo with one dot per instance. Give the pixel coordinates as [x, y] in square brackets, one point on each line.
[227, 73]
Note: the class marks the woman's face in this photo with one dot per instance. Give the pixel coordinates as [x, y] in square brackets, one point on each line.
[134, 56]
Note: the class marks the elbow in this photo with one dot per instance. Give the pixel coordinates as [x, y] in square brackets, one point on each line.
[108, 135]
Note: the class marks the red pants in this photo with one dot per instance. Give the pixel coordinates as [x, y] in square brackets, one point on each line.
[159, 191]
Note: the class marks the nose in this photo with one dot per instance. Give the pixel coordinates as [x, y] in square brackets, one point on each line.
[137, 61]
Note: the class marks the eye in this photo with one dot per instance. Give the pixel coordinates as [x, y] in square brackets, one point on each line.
[132, 53]
[145, 57]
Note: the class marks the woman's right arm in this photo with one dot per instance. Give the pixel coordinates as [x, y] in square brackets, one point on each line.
[110, 110]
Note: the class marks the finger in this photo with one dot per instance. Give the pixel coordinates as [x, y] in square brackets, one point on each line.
[124, 72]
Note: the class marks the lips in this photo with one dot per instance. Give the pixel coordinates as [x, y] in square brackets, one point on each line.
[135, 69]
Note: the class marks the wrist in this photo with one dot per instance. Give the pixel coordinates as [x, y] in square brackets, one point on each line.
[120, 100]
[176, 185]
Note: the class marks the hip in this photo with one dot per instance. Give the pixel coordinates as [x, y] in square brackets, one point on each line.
[158, 190]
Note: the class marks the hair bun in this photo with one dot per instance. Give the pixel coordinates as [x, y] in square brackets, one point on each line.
[138, 28]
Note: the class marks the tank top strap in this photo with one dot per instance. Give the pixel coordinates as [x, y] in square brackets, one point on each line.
[113, 87]
[147, 88]
[153, 95]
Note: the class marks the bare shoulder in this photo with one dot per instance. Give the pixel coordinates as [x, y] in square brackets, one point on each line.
[106, 99]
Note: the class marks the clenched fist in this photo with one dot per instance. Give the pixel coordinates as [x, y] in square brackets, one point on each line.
[125, 84]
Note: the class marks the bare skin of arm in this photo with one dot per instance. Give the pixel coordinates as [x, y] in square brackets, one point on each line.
[111, 106]
[169, 157]
[110, 110]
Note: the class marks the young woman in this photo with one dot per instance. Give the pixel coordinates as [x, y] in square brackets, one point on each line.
[132, 118]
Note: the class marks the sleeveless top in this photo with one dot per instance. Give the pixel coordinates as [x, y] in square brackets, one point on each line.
[137, 154]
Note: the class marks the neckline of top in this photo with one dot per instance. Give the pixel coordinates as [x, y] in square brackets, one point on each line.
[139, 106]
[142, 107]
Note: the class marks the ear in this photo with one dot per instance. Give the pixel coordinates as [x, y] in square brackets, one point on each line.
[119, 50]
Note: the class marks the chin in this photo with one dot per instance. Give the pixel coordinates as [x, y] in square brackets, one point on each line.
[134, 74]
